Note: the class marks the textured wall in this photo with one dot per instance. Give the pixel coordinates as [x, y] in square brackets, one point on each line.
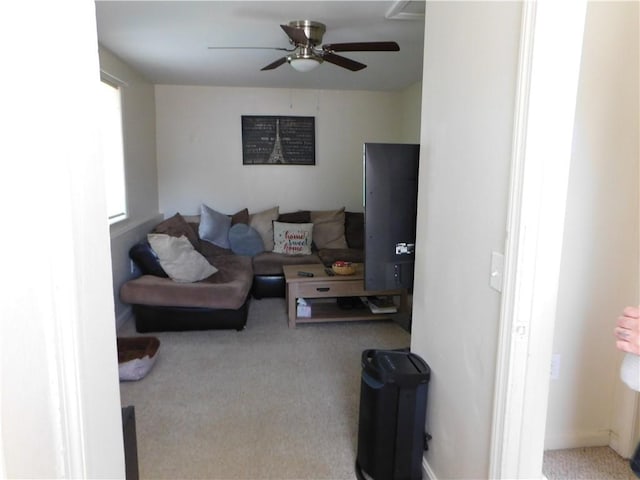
[599, 274]
[471, 58]
[200, 149]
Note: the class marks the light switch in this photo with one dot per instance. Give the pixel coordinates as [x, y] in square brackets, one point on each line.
[497, 271]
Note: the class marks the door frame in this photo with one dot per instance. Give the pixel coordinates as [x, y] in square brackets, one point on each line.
[549, 68]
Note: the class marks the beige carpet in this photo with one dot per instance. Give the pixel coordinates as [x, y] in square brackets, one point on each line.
[265, 403]
[595, 463]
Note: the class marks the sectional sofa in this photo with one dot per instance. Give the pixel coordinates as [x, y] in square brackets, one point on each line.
[200, 271]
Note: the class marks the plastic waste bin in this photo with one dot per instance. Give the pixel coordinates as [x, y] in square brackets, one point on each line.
[393, 402]
[634, 462]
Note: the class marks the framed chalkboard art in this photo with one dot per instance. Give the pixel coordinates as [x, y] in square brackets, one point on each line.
[274, 140]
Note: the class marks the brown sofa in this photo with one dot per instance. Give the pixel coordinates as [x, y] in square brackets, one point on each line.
[268, 277]
[221, 300]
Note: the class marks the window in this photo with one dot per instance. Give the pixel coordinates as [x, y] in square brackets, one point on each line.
[112, 151]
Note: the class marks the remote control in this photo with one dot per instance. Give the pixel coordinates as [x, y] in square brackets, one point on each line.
[305, 274]
[329, 272]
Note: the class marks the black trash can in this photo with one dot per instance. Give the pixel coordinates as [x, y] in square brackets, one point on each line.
[393, 402]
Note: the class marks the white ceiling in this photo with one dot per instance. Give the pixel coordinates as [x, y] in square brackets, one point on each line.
[166, 41]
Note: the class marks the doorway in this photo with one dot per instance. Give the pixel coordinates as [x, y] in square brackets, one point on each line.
[531, 340]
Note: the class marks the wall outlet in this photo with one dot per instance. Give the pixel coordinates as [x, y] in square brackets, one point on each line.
[555, 366]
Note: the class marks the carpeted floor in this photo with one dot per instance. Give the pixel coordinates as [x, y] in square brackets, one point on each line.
[265, 403]
[594, 463]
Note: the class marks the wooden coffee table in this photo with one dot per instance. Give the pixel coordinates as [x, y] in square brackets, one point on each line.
[322, 285]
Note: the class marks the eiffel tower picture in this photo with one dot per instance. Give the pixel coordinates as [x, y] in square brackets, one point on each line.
[276, 154]
[278, 140]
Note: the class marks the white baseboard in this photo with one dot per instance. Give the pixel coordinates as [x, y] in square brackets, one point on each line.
[621, 448]
[593, 438]
[124, 317]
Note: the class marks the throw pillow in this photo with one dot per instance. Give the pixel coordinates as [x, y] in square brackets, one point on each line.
[354, 229]
[179, 259]
[240, 217]
[146, 259]
[245, 240]
[263, 223]
[301, 216]
[214, 226]
[292, 238]
[177, 226]
[328, 229]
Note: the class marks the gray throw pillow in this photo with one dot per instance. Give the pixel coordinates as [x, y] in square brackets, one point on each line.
[245, 240]
[214, 226]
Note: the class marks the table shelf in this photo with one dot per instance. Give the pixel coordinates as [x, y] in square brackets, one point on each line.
[331, 312]
[323, 286]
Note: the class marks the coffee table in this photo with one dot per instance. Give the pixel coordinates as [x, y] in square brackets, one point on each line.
[322, 285]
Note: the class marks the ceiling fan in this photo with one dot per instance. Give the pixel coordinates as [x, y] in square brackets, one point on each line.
[306, 54]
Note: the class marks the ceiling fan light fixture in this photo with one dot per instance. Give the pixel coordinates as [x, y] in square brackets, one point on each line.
[303, 64]
[304, 60]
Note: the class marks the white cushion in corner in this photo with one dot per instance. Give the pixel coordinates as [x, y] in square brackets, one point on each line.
[179, 259]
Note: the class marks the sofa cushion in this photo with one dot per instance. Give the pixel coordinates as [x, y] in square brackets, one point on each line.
[146, 259]
[177, 226]
[214, 226]
[207, 249]
[270, 263]
[179, 259]
[228, 288]
[301, 216]
[245, 240]
[292, 238]
[354, 229]
[263, 223]
[240, 217]
[328, 228]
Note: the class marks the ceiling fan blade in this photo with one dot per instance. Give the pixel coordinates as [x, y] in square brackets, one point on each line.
[343, 62]
[295, 34]
[253, 48]
[275, 64]
[362, 47]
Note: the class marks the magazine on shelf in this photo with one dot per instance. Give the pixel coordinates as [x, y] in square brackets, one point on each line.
[380, 304]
